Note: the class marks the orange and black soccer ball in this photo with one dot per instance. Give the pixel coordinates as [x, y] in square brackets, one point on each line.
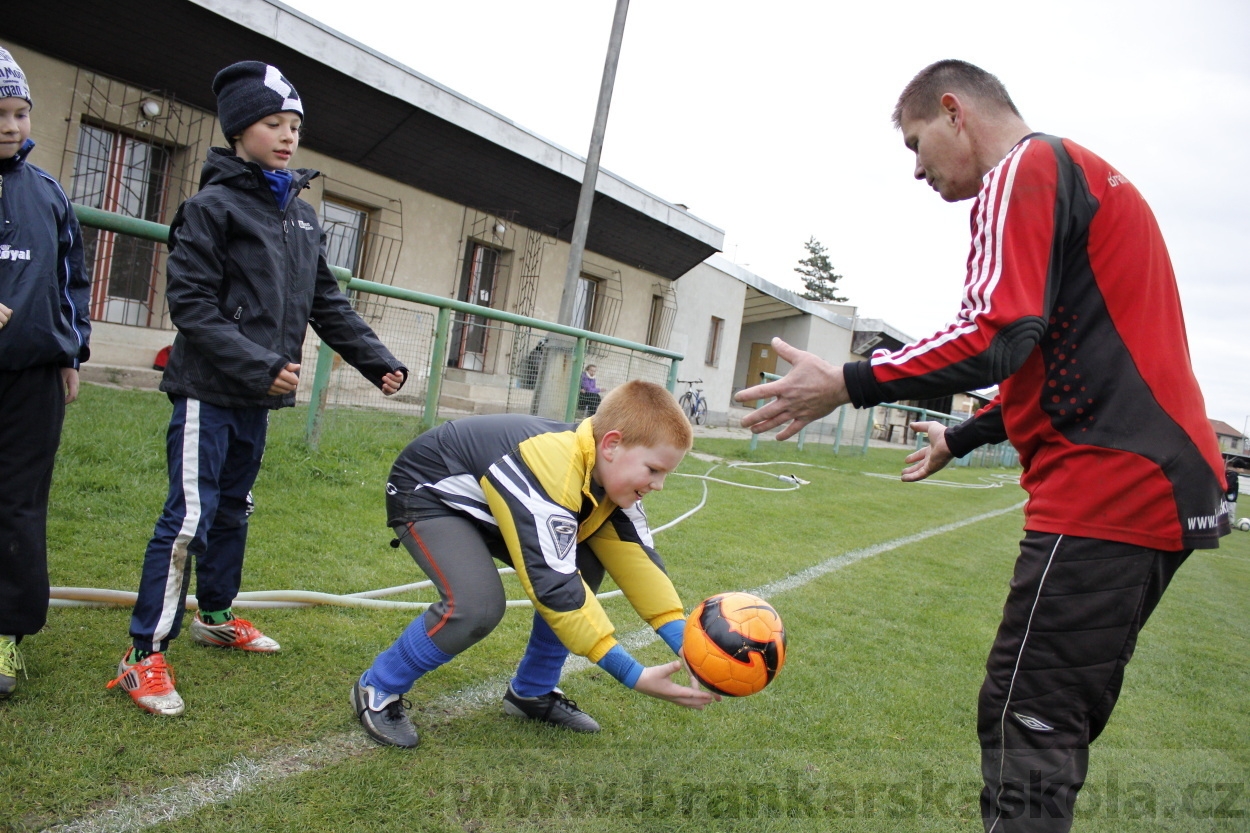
[734, 643]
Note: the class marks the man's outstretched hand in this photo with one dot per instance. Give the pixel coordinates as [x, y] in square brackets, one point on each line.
[812, 389]
[930, 459]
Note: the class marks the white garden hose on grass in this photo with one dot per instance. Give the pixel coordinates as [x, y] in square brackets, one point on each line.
[373, 599]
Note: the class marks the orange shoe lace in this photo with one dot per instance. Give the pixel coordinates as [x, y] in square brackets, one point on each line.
[155, 676]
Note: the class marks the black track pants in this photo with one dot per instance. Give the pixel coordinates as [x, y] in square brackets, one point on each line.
[32, 410]
[1054, 672]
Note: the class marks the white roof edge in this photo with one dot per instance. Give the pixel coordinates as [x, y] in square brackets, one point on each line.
[753, 280]
[314, 39]
[878, 325]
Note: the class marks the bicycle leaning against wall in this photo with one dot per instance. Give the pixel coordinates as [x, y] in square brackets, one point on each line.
[693, 402]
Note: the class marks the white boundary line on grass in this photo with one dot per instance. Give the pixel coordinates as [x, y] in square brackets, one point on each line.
[245, 774]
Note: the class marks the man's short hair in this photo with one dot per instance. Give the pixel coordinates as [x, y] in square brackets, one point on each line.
[922, 97]
[645, 414]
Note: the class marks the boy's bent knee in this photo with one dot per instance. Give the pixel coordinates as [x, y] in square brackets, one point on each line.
[456, 633]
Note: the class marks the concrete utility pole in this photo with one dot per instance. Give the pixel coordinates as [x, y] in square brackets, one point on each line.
[584, 202]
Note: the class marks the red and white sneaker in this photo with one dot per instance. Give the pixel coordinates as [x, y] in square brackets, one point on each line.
[150, 684]
[239, 634]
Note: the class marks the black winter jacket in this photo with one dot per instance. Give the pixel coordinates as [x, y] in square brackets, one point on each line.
[244, 280]
[41, 271]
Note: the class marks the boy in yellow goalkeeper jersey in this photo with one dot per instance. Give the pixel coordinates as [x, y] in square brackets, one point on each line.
[560, 503]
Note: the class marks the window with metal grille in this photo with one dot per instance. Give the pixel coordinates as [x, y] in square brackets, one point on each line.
[663, 312]
[345, 227]
[123, 174]
[584, 306]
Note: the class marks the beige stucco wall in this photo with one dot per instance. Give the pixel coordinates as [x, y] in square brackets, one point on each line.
[702, 293]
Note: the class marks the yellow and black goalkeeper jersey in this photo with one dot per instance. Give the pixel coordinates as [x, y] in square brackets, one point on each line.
[530, 478]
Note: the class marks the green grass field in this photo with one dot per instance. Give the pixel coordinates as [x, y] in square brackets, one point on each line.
[870, 726]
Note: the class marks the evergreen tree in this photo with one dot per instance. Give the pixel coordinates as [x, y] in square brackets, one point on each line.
[818, 275]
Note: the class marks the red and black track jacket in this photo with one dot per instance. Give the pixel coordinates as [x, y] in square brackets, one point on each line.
[1070, 304]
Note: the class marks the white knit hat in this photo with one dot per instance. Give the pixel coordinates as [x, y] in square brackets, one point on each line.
[12, 79]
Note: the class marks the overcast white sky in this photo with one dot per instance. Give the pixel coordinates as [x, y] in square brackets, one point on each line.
[771, 121]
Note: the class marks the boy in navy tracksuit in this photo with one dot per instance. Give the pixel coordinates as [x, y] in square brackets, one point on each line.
[44, 329]
[246, 275]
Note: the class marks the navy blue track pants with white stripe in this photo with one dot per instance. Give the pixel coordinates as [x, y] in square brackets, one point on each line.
[214, 456]
[1053, 676]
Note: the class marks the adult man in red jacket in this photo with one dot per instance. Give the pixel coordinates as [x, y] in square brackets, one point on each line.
[1070, 305]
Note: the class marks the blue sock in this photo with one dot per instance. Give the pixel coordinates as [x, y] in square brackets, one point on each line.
[402, 664]
[540, 668]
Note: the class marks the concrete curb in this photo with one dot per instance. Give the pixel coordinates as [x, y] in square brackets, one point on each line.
[114, 376]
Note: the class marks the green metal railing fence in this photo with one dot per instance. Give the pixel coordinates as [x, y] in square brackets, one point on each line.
[428, 332]
[565, 353]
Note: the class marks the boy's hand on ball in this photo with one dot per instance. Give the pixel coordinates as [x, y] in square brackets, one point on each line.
[694, 681]
[657, 681]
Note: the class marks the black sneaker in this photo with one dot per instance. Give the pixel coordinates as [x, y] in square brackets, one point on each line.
[383, 716]
[553, 708]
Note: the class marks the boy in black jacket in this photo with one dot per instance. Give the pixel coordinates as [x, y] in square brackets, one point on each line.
[246, 275]
[44, 329]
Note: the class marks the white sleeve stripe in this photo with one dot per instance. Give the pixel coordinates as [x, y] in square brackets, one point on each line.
[73, 318]
[1001, 204]
[985, 260]
[513, 473]
[638, 518]
[984, 276]
[971, 297]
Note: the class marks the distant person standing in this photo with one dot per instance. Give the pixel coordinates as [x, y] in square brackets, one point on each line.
[589, 395]
[247, 275]
[1234, 486]
[1071, 307]
[44, 331]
